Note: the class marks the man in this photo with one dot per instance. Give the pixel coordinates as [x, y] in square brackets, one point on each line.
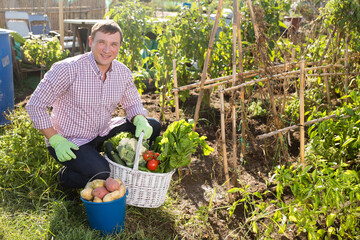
[83, 92]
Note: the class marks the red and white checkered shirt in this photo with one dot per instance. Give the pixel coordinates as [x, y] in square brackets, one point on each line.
[82, 103]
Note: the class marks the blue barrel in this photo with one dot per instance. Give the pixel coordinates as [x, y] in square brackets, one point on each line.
[6, 78]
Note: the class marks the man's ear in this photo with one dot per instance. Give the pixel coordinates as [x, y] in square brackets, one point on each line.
[90, 42]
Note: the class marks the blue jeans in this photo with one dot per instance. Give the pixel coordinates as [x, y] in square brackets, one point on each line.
[89, 163]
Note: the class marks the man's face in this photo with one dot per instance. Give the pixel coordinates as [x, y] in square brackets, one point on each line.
[105, 48]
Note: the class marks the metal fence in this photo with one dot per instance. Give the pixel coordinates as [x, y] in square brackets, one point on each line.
[79, 9]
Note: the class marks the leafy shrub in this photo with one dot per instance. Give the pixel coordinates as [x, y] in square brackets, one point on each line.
[44, 53]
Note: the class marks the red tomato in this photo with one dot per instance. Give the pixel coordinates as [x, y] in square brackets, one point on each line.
[146, 156]
[152, 164]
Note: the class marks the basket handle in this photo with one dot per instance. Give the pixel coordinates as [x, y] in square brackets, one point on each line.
[138, 149]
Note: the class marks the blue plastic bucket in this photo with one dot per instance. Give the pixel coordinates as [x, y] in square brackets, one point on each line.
[108, 217]
[6, 77]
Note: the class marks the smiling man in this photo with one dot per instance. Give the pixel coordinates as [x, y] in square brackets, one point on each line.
[82, 93]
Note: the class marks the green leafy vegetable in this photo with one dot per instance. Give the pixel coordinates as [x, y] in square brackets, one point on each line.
[177, 144]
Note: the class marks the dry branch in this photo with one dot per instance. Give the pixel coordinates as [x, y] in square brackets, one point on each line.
[206, 63]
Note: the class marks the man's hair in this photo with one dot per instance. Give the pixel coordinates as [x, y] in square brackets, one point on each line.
[106, 26]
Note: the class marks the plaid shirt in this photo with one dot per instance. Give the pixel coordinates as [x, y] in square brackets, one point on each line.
[82, 103]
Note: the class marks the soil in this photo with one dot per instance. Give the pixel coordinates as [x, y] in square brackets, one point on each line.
[202, 185]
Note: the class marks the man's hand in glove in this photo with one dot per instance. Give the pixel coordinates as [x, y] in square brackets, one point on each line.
[63, 148]
[142, 124]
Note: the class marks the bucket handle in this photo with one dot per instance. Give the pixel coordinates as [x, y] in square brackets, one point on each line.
[96, 175]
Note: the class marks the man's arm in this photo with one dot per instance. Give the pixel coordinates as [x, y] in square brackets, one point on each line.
[48, 132]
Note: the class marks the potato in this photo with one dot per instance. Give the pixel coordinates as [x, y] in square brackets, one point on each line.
[117, 194]
[100, 192]
[118, 180]
[89, 185]
[97, 200]
[98, 183]
[111, 184]
[86, 194]
[109, 197]
[122, 190]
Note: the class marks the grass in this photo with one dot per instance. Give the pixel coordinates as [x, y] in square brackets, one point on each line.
[33, 208]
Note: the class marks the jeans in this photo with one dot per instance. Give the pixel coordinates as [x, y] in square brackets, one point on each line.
[89, 164]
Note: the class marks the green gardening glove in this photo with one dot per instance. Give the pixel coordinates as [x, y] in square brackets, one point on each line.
[63, 148]
[142, 124]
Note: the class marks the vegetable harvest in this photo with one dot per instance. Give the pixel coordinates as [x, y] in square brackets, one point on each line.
[100, 190]
[170, 151]
[178, 142]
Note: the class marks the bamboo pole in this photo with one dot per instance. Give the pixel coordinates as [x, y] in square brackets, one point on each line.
[302, 114]
[176, 94]
[249, 74]
[206, 63]
[328, 44]
[176, 100]
[233, 107]
[266, 135]
[242, 90]
[285, 87]
[332, 74]
[252, 15]
[327, 88]
[223, 140]
[346, 83]
[61, 23]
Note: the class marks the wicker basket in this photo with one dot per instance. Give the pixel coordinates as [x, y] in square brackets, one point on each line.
[146, 189]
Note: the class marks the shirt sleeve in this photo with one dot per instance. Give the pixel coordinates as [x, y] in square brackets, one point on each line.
[54, 83]
[131, 101]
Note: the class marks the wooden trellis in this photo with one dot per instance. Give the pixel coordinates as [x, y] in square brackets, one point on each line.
[283, 72]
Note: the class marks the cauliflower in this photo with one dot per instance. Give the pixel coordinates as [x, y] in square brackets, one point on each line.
[132, 142]
[127, 149]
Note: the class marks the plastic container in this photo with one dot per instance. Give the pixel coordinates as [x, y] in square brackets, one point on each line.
[108, 217]
[6, 77]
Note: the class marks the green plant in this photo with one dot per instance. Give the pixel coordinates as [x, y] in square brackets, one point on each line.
[133, 19]
[323, 203]
[320, 199]
[256, 110]
[28, 171]
[44, 52]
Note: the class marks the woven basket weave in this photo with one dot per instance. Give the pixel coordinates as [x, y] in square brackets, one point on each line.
[146, 189]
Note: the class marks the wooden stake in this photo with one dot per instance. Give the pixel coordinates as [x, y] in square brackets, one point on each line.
[327, 88]
[223, 140]
[206, 63]
[176, 94]
[266, 135]
[302, 114]
[327, 45]
[252, 15]
[176, 99]
[233, 107]
[250, 74]
[346, 82]
[61, 23]
[242, 90]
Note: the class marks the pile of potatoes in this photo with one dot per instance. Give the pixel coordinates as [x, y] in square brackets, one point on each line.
[100, 190]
